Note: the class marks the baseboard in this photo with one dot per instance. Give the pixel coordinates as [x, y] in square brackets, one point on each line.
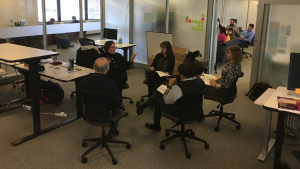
[140, 65]
[10, 78]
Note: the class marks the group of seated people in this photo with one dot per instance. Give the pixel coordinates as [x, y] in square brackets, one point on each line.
[230, 33]
[110, 75]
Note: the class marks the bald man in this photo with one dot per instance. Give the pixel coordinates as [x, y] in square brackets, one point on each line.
[97, 82]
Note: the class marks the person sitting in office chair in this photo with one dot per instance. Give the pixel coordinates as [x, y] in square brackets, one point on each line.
[97, 82]
[74, 20]
[232, 70]
[222, 34]
[118, 65]
[246, 36]
[229, 34]
[170, 101]
[163, 61]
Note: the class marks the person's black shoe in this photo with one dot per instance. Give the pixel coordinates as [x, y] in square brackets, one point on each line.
[139, 108]
[153, 126]
[113, 132]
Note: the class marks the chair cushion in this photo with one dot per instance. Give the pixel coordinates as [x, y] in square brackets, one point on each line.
[125, 86]
[177, 118]
[120, 115]
[106, 123]
[223, 101]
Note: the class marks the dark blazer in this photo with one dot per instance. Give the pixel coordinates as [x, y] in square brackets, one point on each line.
[99, 83]
[170, 66]
[118, 64]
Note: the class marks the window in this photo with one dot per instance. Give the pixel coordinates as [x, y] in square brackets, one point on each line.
[51, 10]
[69, 8]
[93, 9]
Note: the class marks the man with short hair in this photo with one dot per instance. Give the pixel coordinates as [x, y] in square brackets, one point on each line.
[188, 84]
[51, 22]
[74, 20]
[246, 36]
[233, 26]
[97, 82]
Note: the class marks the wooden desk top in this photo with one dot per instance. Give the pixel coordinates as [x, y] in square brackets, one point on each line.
[16, 53]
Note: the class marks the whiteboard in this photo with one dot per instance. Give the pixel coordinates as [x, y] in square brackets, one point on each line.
[154, 39]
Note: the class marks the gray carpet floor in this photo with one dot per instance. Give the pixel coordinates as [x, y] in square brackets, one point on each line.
[61, 148]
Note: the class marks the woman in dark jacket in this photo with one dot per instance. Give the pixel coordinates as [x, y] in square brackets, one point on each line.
[163, 61]
[118, 64]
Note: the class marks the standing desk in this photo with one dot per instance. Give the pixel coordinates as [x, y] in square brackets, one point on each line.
[123, 46]
[62, 75]
[16, 53]
[272, 105]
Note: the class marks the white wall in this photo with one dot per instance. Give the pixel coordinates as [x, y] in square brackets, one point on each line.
[237, 9]
[183, 35]
[140, 27]
[11, 9]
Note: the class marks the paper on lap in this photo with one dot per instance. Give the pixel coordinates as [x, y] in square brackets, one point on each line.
[162, 89]
[162, 74]
[207, 77]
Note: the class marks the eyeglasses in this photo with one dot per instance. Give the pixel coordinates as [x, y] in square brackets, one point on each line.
[113, 47]
[228, 53]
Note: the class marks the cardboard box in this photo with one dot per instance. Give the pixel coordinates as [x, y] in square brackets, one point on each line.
[175, 67]
[180, 54]
[150, 60]
[174, 48]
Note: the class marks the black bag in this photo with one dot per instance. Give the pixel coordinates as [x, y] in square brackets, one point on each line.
[52, 90]
[257, 90]
[65, 43]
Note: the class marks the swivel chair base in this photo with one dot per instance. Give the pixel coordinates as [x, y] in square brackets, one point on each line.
[222, 114]
[142, 98]
[131, 101]
[182, 134]
[102, 141]
[72, 93]
[245, 53]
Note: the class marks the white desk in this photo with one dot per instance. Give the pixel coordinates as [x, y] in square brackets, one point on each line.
[60, 72]
[123, 46]
[267, 141]
[16, 53]
[272, 105]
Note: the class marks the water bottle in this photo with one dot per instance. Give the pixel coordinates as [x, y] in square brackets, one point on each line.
[69, 66]
[120, 40]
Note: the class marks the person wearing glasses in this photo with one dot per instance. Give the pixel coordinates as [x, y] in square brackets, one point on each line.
[118, 65]
[218, 87]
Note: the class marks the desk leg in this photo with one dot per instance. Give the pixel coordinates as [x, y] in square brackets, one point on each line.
[125, 50]
[267, 142]
[35, 110]
[78, 104]
[279, 140]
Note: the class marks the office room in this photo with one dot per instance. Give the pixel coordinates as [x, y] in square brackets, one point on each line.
[61, 39]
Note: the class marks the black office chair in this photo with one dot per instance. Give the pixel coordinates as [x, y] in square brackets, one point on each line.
[245, 53]
[126, 86]
[96, 111]
[232, 90]
[3, 41]
[186, 118]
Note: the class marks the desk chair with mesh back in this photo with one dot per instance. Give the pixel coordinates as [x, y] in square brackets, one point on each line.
[186, 118]
[96, 111]
[86, 62]
[233, 92]
[243, 50]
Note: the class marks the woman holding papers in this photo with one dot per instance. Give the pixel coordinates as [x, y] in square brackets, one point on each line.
[218, 86]
[163, 62]
[117, 66]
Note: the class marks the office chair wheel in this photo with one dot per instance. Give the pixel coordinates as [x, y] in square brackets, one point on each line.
[188, 155]
[84, 144]
[126, 114]
[72, 95]
[216, 128]
[167, 134]
[210, 112]
[233, 117]
[238, 127]
[192, 133]
[128, 146]
[206, 146]
[162, 147]
[142, 100]
[114, 161]
[131, 101]
[84, 160]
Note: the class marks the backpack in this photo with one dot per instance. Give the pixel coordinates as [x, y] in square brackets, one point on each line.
[257, 90]
[52, 90]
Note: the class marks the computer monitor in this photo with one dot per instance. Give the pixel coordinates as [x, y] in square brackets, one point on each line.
[110, 34]
[294, 72]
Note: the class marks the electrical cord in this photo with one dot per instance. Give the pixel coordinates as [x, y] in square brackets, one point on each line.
[18, 84]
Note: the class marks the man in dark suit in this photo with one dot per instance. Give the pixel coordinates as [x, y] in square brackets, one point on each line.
[97, 82]
[171, 101]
